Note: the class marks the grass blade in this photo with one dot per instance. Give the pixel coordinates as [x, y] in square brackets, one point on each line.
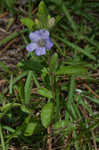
[27, 88]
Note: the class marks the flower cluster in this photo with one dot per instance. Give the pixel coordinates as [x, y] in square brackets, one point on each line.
[40, 42]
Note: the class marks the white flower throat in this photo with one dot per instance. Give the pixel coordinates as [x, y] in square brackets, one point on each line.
[41, 43]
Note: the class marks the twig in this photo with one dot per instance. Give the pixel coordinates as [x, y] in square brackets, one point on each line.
[95, 74]
[49, 139]
[2, 82]
[35, 10]
[3, 15]
[12, 36]
[86, 86]
[7, 46]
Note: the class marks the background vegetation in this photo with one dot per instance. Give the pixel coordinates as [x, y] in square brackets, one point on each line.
[51, 101]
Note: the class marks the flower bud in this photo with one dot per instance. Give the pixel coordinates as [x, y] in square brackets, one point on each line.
[51, 22]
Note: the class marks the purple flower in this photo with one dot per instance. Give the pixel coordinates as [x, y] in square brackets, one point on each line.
[40, 42]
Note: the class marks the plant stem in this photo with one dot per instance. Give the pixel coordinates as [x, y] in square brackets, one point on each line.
[49, 139]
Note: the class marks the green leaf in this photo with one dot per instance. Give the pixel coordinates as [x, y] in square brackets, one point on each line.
[28, 86]
[54, 62]
[11, 37]
[25, 109]
[31, 65]
[93, 99]
[10, 3]
[28, 22]
[42, 8]
[45, 92]
[9, 129]
[2, 138]
[69, 17]
[70, 70]
[57, 2]
[64, 126]
[60, 124]
[10, 22]
[4, 67]
[30, 129]
[19, 77]
[7, 107]
[42, 13]
[76, 47]
[47, 114]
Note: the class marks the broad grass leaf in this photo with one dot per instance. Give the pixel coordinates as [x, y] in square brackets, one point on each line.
[54, 62]
[60, 124]
[64, 127]
[70, 70]
[25, 109]
[45, 92]
[27, 88]
[9, 129]
[47, 114]
[4, 67]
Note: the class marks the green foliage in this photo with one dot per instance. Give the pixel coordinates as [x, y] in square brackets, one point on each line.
[32, 65]
[52, 98]
[26, 109]
[71, 70]
[28, 22]
[28, 87]
[4, 67]
[2, 138]
[11, 37]
[53, 62]
[8, 4]
[30, 128]
[60, 124]
[42, 13]
[47, 114]
[45, 92]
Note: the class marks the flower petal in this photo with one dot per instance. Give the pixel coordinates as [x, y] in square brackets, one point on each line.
[40, 51]
[49, 44]
[44, 34]
[37, 35]
[34, 36]
[30, 47]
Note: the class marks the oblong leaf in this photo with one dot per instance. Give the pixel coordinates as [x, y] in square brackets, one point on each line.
[47, 114]
[27, 88]
[42, 13]
[54, 62]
